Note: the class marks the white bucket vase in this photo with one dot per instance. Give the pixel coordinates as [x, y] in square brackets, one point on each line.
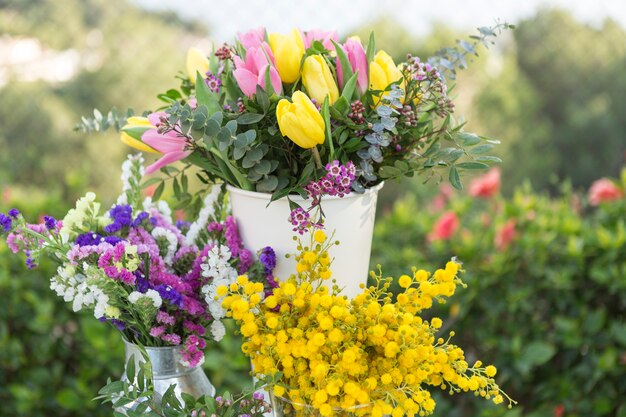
[350, 218]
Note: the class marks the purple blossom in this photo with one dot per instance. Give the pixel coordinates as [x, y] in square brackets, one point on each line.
[245, 260]
[88, 239]
[170, 294]
[182, 225]
[164, 318]
[213, 82]
[112, 240]
[337, 181]
[50, 222]
[122, 216]
[14, 213]
[300, 219]
[140, 218]
[267, 257]
[171, 338]
[232, 236]
[5, 222]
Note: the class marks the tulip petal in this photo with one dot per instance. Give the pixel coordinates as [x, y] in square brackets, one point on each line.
[164, 143]
[167, 159]
[246, 80]
[134, 143]
[196, 62]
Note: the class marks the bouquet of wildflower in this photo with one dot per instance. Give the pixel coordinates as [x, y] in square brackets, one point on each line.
[373, 354]
[272, 113]
[150, 277]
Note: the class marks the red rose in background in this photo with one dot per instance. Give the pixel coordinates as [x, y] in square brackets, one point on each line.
[604, 190]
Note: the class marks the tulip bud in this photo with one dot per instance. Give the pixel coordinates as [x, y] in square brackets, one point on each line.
[136, 126]
[288, 51]
[383, 71]
[197, 62]
[358, 61]
[300, 121]
[318, 80]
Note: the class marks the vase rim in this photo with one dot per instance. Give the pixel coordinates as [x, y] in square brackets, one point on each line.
[297, 197]
[151, 347]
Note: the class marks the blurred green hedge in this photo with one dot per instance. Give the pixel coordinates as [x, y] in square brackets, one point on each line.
[548, 309]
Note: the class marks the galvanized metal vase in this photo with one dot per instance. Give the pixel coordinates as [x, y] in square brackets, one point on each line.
[167, 369]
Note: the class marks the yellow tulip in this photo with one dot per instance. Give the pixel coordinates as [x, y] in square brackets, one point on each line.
[383, 71]
[197, 62]
[300, 121]
[137, 124]
[288, 51]
[318, 80]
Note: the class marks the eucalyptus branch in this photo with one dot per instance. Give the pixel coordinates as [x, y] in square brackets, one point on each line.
[101, 123]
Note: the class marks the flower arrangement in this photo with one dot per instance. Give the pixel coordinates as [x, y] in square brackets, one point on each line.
[273, 113]
[371, 355]
[151, 278]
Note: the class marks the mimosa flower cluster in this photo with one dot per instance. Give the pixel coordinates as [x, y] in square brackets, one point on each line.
[373, 355]
[269, 111]
[151, 278]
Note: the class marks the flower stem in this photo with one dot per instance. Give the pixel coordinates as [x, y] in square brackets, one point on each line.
[316, 157]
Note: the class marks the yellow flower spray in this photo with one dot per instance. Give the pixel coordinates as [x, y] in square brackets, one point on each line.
[373, 354]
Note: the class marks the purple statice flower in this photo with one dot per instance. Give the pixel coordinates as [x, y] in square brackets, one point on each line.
[108, 260]
[192, 350]
[112, 240]
[5, 223]
[140, 218]
[122, 216]
[215, 227]
[88, 239]
[13, 213]
[121, 326]
[157, 331]
[50, 222]
[163, 318]
[182, 225]
[267, 257]
[245, 261]
[30, 262]
[300, 219]
[194, 328]
[141, 283]
[233, 241]
[170, 294]
[171, 338]
[258, 396]
[193, 306]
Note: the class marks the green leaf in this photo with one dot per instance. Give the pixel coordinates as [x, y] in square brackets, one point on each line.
[267, 185]
[329, 138]
[537, 353]
[388, 171]
[469, 139]
[454, 178]
[206, 97]
[159, 191]
[176, 187]
[262, 98]
[472, 165]
[263, 167]
[481, 149]
[249, 118]
[346, 68]
[350, 87]
[487, 158]
[371, 48]
[341, 106]
[150, 182]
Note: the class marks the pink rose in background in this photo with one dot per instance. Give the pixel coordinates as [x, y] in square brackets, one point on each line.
[326, 37]
[487, 185]
[253, 38]
[358, 62]
[445, 226]
[604, 190]
[251, 72]
[172, 146]
[505, 235]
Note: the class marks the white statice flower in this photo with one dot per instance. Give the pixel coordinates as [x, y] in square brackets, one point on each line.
[86, 207]
[172, 242]
[151, 295]
[77, 289]
[217, 268]
[208, 210]
[217, 330]
[161, 206]
[130, 178]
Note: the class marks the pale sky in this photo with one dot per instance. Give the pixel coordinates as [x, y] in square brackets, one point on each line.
[226, 17]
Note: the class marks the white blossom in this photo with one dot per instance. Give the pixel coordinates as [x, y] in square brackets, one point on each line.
[208, 210]
[128, 177]
[217, 330]
[154, 297]
[172, 242]
[217, 268]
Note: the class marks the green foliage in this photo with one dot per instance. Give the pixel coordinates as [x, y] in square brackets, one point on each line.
[547, 308]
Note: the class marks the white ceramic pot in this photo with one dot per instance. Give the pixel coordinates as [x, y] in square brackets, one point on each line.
[351, 218]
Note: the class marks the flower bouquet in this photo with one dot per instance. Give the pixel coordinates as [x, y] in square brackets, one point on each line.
[153, 279]
[374, 355]
[302, 118]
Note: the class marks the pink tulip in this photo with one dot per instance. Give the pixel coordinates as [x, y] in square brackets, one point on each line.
[445, 226]
[172, 146]
[487, 185]
[358, 61]
[326, 37]
[253, 38]
[505, 235]
[251, 72]
[604, 190]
